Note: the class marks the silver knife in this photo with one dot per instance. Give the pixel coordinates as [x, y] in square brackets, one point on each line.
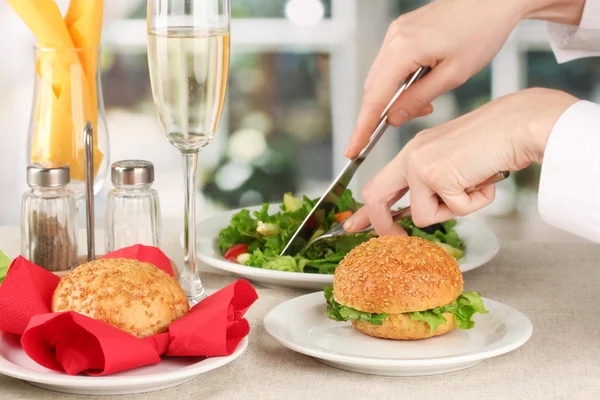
[332, 196]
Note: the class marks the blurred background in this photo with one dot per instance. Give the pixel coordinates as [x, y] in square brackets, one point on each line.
[295, 86]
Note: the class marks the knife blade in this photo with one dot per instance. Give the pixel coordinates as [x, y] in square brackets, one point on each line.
[332, 196]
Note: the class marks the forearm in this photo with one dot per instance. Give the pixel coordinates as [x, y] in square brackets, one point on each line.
[567, 12]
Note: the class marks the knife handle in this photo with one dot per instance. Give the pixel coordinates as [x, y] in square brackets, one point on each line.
[383, 124]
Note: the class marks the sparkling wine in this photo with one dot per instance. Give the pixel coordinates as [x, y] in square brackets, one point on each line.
[188, 73]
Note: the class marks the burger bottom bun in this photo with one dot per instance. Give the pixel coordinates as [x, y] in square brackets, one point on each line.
[402, 327]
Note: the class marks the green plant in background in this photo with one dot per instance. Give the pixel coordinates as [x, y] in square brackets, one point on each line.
[234, 184]
[279, 129]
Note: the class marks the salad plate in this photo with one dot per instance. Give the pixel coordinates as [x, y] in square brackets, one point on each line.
[481, 245]
[302, 325]
[172, 371]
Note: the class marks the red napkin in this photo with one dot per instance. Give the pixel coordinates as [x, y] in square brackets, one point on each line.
[73, 343]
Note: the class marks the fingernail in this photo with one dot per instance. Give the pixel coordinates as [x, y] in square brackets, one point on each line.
[349, 224]
[348, 150]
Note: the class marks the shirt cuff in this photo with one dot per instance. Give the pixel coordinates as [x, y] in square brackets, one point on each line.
[569, 192]
[570, 42]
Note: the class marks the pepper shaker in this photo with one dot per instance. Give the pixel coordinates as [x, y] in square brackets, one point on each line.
[133, 207]
[48, 219]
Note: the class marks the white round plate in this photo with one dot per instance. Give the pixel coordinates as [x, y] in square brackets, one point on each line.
[481, 246]
[301, 324]
[172, 371]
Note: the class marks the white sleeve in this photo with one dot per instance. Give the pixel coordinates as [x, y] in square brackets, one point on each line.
[573, 42]
[569, 193]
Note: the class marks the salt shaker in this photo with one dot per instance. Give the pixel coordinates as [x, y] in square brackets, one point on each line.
[132, 208]
[48, 219]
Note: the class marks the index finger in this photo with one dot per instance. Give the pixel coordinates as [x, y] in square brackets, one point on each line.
[376, 99]
[387, 187]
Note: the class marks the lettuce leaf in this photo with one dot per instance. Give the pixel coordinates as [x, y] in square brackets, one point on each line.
[242, 229]
[285, 263]
[346, 203]
[433, 318]
[4, 264]
[467, 305]
[446, 235]
[463, 309]
[327, 265]
[337, 312]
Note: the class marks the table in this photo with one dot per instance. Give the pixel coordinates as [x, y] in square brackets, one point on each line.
[556, 286]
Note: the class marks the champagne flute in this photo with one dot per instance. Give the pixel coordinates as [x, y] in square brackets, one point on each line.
[188, 56]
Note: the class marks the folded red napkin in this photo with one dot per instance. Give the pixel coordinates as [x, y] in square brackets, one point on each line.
[73, 343]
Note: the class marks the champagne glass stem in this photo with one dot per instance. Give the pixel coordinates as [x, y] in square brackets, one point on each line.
[189, 278]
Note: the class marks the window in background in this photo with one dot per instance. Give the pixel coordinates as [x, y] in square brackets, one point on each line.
[466, 98]
[246, 9]
[404, 6]
[125, 79]
[581, 78]
[279, 129]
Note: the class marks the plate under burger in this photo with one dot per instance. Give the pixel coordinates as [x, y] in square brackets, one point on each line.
[481, 246]
[302, 325]
[172, 371]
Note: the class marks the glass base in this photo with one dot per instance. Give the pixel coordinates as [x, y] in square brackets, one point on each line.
[194, 296]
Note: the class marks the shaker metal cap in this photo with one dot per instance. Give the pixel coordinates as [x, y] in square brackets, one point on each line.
[48, 177]
[132, 172]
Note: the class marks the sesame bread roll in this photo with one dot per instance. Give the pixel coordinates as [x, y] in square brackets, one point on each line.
[133, 296]
[397, 274]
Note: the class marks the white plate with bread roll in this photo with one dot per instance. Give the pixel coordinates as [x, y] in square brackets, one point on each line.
[481, 246]
[172, 371]
[132, 296]
[301, 324]
[398, 307]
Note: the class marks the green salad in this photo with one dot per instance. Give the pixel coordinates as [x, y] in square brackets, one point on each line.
[256, 238]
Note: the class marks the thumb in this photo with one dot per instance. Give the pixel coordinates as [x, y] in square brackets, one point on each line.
[419, 95]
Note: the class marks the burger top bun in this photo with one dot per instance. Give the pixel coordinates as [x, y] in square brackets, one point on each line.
[134, 296]
[397, 274]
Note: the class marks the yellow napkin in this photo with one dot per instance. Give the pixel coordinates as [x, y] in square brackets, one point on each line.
[67, 79]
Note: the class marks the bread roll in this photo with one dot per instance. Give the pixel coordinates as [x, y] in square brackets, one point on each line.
[397, 274]
[134, 296]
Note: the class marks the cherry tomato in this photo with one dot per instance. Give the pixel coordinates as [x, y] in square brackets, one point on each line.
[312, 222]
[234, 251]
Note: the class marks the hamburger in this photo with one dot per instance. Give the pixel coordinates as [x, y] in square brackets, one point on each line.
[134, 296]
[401, 288]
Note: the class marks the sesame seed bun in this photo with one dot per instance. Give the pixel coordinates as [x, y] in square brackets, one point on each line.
[402, 327]
[397, 274]
[134, 296]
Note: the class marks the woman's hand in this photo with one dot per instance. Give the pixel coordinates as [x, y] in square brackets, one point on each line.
[508, 133]
[457, 38]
